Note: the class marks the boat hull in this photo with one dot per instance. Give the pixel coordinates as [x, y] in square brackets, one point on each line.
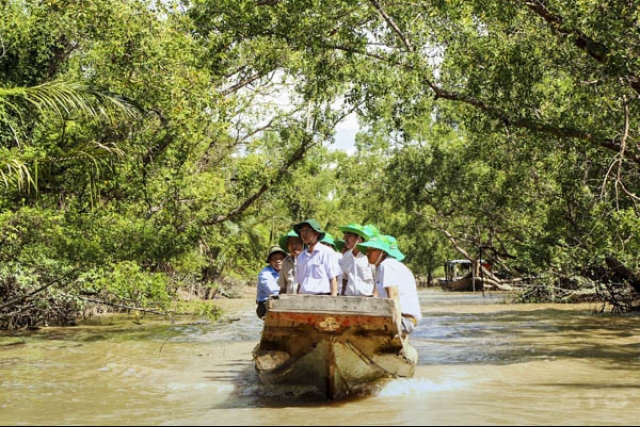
[334, 346]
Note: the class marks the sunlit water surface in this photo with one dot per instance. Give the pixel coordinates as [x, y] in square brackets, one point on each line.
[482, 362]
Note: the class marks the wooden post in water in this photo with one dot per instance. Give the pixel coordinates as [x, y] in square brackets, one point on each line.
[481, 272]
[474, 268]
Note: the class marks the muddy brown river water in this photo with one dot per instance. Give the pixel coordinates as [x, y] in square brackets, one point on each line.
[482, 362]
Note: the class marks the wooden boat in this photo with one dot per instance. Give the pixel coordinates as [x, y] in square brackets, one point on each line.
[464, 284]
[335, 346]
[459, 277]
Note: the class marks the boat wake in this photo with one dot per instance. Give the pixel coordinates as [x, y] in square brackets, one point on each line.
[406, 386]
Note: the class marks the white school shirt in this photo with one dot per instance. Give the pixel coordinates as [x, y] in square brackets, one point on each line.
[358, 273]
[315, 269]
[392, 272]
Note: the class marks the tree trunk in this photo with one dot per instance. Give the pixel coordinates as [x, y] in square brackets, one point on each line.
[625, 272]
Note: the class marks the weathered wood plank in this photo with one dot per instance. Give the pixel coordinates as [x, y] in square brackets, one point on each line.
[337, 345]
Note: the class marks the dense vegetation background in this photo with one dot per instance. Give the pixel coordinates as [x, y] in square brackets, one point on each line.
[145, 148]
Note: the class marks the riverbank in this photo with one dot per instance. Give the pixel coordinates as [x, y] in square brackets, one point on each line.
[462, 302]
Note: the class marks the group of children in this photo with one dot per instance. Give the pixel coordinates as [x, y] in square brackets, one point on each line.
[366, 263]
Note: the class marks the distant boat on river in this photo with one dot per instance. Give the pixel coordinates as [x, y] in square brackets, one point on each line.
[335, 346]
[459, 276]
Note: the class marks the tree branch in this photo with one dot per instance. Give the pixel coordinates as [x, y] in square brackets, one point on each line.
[242, 83]
[40, 289]
[455, 244]
[393, 25]
[122, 306]
[593, 48]
[623, 271]
[307, 143]
[504, 117]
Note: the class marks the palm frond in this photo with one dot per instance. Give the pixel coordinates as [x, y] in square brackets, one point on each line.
[65, 98]
[15, 172]
[19, 170]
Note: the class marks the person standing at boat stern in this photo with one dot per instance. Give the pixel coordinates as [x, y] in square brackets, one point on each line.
[317, 267]
[294, 246]
[394, 279]
[357, 278]
[268, 279]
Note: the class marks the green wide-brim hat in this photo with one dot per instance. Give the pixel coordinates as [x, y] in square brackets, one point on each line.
[284, 240]
[328, 239]
[370, 230]
[394, 251]
[311, 223]
[375, 242]
[356, 229]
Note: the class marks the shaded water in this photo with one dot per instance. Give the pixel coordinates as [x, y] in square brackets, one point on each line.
[481, 362]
